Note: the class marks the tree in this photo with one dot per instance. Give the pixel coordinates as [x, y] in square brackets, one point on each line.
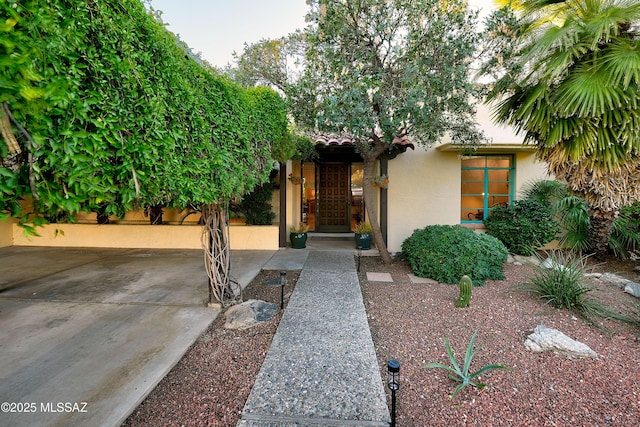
[570, 83]
[119, 115]
[267, 62]
[379, 70]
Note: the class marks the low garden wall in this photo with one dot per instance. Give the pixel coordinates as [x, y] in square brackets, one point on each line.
[243, 237]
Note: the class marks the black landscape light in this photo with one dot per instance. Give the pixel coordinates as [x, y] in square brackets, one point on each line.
[283, 282]
[393, 382]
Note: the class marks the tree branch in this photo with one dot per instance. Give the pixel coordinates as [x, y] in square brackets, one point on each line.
[30, 146]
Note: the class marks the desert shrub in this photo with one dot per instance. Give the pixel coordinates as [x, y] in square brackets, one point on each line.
[625, 238]
[571, 213]
[447, 252]
[560, 281]
[522, 226]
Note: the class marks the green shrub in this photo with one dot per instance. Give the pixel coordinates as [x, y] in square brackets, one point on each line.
[447, 252]
[626, 231]
[522, 226]
[256, 206]
[570, 212]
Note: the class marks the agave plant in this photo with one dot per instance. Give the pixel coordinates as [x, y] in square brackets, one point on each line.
[462, 375]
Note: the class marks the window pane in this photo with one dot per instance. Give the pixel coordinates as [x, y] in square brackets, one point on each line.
[472, 202]
[499, 175]
[498, 161]
[473, 162]
[473, 175]
[498, 201]
[472, 188]
[501, 188]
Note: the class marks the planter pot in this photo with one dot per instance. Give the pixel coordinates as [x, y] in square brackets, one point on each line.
[363, 241]
[298, 240]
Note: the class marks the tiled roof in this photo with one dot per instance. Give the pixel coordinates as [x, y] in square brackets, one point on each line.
[328, 140]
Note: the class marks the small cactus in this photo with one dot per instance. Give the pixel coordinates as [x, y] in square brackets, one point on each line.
[465, 292]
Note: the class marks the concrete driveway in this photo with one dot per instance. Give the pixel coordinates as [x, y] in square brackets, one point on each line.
[87, 333]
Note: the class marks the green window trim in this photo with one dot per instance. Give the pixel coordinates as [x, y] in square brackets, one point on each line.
[486, 181]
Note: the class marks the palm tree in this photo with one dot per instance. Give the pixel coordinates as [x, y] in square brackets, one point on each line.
[574, 93]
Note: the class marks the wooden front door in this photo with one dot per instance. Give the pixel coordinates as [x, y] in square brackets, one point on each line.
[334, 198]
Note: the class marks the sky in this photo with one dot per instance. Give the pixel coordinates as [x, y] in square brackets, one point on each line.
[217, 28]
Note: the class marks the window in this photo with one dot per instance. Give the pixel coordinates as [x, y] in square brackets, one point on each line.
[487, 181]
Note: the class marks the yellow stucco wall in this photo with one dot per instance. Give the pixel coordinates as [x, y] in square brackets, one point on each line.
[139, 236]
[6, 233]
[424, 189]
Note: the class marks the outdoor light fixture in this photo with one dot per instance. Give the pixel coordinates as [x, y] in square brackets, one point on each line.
[393, 382]
[283, 282]
[359, 255]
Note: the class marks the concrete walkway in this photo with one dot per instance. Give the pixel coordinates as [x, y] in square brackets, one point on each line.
[321, 368]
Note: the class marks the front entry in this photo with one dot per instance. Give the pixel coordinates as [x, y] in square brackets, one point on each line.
[334, 198]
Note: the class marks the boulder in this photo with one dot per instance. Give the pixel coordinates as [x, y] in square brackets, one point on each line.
[547, 339]
[249, 313]
[614, 279]
[627, 285]
[633, 289]
[526, 260]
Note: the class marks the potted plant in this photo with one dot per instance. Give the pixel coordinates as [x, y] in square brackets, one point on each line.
[298, 236]
[381, 181]
[362, 234]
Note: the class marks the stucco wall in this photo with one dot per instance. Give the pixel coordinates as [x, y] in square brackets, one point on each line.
[142, 236]
[6, 233]
[424, 189]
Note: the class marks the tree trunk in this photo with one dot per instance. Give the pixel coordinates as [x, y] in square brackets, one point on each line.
[215, 242]
[368, 190]
[600, 229]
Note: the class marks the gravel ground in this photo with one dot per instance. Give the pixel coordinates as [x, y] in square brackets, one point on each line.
[210, 385]
[408, 323]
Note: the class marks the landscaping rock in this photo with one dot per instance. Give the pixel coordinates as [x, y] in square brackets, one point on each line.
[526, 260]
[249, 313]
[547, 339]
[550, 264]
[614, 279]
[633, 289]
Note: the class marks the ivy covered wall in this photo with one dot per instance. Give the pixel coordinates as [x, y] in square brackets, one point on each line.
[111, 113]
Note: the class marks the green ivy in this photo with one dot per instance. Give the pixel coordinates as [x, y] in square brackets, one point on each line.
[122, 115]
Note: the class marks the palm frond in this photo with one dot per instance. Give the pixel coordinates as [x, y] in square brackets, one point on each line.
[564, 129]
[586, 93]
[545, 191]
[572, 215]
[621, 61]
